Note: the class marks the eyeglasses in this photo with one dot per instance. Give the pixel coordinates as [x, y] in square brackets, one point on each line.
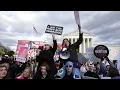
[68, 66]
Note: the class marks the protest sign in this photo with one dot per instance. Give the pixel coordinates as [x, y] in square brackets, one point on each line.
[77, 19]
[22, 43]
[22, 54]
[54, 29]
[101, 51]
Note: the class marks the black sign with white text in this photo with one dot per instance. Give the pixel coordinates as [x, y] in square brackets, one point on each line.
[101, 51]
[54, 29]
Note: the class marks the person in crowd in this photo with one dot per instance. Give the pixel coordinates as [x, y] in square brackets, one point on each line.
[47, 55]
[27, 74]
[3, 72]
[72, 47]
[43, 72]
[83, 69]
[33, 66]
[107, 68]
[98, 68]
[113, 73]
[91, 72]
[5, 62]
[58, 65]
[17, 68]
[68, 71]
[115, 63]
[13, 69]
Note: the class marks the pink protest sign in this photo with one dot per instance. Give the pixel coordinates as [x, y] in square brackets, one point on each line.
[22, 54]
[22, 43]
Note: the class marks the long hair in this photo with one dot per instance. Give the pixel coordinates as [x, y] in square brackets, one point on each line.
[6, 77]
[21, 73]
[46, 65]
[64, 40]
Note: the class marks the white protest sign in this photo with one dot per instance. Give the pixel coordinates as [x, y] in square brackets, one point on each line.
[21, 59]
[54, 29]
[77, 19]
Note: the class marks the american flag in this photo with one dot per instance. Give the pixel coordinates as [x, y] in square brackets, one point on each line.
[35, 29]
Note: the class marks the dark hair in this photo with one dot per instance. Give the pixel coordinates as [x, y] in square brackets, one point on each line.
[46, 65]
[7, 76]
[114, 61]
[65, 39]
[5, 61]
[3, 66]
[113, 72]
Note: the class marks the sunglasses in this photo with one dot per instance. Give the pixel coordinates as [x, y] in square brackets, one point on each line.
[68, 66]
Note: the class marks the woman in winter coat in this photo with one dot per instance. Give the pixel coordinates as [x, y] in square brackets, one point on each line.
[47, 55]
[26, 74]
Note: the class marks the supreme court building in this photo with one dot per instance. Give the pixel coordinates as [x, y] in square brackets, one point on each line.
[87, 40]
[114, 50]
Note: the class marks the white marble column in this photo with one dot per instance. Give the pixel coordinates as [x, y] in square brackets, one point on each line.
[91, 42]
[83, 45]
[75, 39]
[71, 40]
[80, 48]
[88, 42]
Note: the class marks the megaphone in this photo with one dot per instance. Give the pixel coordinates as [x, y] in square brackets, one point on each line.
[64, 54]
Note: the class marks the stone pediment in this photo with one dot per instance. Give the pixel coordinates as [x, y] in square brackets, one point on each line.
[76, 33]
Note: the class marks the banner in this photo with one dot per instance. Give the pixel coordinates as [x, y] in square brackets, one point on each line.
[57, 53]
[77, 19]
[22, 43]
[35, 44]
[22, 54]
[54, 29]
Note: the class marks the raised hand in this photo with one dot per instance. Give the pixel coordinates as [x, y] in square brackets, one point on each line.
[79, 27]
[53, 36]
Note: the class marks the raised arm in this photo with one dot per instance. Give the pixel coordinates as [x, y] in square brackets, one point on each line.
[54, 44]
[80, 40]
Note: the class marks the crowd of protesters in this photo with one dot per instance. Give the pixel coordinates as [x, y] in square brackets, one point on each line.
[45, 67]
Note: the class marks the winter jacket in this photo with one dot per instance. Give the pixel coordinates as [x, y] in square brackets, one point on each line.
[91, 74]
[68, 77]
[72, 49]
[38, 75]
[16, 69]
[47, 56]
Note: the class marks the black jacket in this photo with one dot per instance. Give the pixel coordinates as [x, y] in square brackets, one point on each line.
[72, 49]
[16, 69]
[38, 75]
[91, 74]
[68, 77]
[48, 57]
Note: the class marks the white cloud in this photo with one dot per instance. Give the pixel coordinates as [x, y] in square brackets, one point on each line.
[16, 25]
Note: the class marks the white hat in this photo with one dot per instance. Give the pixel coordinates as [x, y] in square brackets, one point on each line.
[107, 64]
[48, 42]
